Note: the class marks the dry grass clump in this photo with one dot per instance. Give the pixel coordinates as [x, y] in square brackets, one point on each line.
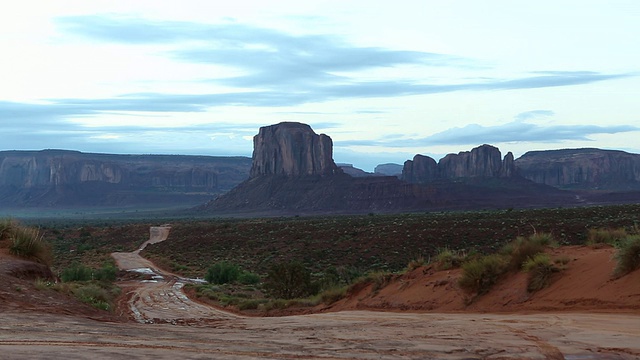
[522, 249]
[28, 243]
[627, 255]
[449, 259]
[596, 237]
[540, 269]
[480, 274]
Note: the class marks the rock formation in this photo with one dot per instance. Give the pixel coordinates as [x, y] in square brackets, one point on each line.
[484, 162]
[59, 177]
[582, 169]
[293, 173]
[292, 149]
[421, 169]
[389, 169]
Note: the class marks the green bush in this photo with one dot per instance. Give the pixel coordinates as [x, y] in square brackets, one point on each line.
[222, 273]
[108, 272]
[248, 278]
[251, 304]
[540, 269]
[288, 280]
[226, 273]
[522, 249]
[29, 244]
[94, 295]
[480, 274]
[605, 236]
[627, 255]
[76, 272]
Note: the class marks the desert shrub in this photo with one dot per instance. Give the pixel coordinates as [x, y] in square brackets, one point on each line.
[94, 295]
[248, 278]
[28, 243]
[562, 260]
[108, 272]
[522, 249]
[480, 274]
[416, 263]
[627, 255]
[276, 304]
[76, 272]
[448, 259]
[288, 280]
[251, 304]
[331, 295]
[6, 228]
[540, 269]
[226, 273]
[605, 236]
[379, 279]
[222, 273]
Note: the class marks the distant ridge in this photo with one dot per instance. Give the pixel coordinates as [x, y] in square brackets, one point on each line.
[63, 178]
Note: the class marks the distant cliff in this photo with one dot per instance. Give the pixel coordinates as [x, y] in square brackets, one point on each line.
[587, 169]
[482, 162]
[60, 177]
[292, 149]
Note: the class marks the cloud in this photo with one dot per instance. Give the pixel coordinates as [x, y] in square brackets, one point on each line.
[282, 69]
[515, 131]
[523, 116]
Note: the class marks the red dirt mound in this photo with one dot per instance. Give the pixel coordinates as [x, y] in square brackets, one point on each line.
[19, 293]
[584, 283]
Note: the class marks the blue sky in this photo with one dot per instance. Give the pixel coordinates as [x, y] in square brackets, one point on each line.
[385, 80]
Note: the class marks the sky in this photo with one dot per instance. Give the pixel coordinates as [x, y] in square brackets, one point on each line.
[386, 80]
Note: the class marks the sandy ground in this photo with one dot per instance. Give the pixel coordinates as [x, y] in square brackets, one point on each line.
[168, 325]
[344, 335]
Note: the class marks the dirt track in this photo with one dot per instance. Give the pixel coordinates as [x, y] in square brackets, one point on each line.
[213, 334]
[160, 298]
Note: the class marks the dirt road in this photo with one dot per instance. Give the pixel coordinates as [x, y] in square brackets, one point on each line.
[159, 298]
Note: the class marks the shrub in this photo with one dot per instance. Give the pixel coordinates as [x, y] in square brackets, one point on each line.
[522, 249]
[94, 295]
[251, 304]
[288, 280]
[605, 236]
[627, 256]
[108, 272]
[29, 244]
[222, 273]
[448, 259]
[331, 295]
[7, 227]
[540, 269]
[248, 278]
[76, 272]
[480, 274]
[416, 263]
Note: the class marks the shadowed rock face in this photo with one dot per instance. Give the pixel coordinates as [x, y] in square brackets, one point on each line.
[292, 149]
[582, 169]
[421, 169]
[484, 161]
